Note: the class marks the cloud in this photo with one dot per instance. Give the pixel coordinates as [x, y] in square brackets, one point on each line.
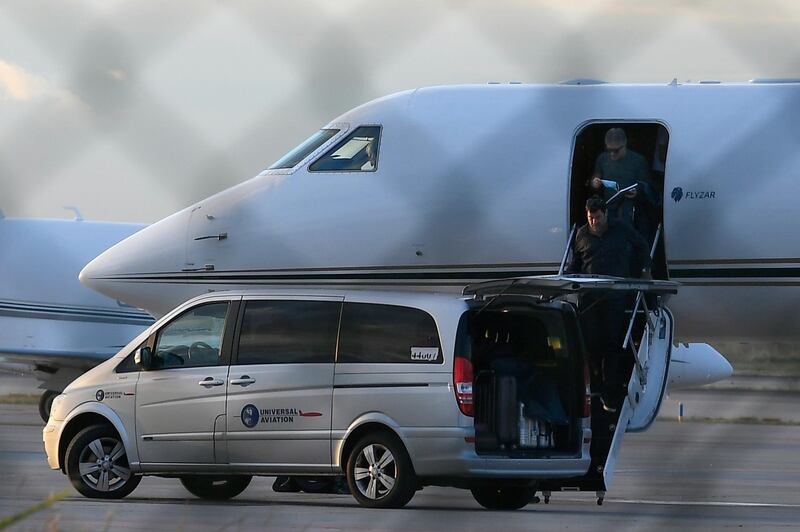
[17, 84]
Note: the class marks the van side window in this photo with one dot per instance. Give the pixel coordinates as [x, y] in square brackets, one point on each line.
[192, 339]
[128, 365]
[358, 152]
[288, 332]
[388, 334]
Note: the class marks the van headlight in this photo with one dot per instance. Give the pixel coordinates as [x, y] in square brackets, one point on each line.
[57, 410]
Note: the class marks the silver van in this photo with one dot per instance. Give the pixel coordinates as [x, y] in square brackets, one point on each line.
[395, 390]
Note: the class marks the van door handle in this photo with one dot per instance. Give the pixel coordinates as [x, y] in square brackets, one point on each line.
[244, 380]
[208, 382]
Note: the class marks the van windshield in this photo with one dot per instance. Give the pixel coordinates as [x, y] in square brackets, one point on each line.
[299, 153]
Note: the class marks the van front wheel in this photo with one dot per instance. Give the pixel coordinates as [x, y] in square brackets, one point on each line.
[379, 472]
[97, 464]
[216, 488]
[503, 497]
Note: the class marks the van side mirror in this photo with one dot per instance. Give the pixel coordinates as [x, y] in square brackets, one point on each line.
[143, 357]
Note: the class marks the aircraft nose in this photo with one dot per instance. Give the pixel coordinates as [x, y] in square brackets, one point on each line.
[717, 367]
[156, 250]
[695, 365]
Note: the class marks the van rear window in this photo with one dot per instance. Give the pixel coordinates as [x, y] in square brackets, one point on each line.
[373, 333]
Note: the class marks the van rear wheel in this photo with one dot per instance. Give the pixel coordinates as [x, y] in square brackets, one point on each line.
[97, 464]
[503, 497]
[216, 488]
[379, 472]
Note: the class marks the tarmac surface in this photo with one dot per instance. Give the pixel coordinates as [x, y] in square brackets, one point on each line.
[691, 476]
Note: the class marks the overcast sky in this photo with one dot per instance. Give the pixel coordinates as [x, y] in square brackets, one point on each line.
[133, 110]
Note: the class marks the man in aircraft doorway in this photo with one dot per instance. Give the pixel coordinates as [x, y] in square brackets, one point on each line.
[625, 167]
[607, 246]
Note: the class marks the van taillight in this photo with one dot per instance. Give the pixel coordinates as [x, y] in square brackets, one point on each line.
[587, 396]
[462, 380]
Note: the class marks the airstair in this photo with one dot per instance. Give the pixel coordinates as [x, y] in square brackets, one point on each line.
[649, 340]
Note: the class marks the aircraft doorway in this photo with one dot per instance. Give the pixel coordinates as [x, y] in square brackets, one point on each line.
[646, 139]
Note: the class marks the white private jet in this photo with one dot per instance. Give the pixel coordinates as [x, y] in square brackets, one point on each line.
[50, 325]
[439, 187]
[436, 188]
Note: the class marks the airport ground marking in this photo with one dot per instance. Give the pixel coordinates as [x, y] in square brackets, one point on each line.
[692, 503]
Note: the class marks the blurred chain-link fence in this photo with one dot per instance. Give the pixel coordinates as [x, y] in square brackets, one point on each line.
[132, 110]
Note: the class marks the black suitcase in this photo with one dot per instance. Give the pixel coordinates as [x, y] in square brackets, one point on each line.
[506, 414]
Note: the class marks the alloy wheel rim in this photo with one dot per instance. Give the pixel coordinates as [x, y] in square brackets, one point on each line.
[103, 464]
[375, 471]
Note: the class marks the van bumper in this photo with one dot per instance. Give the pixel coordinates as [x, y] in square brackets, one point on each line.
[51, 434]
[456, 457]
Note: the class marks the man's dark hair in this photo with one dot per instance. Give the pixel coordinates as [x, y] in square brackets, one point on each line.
[595, 204]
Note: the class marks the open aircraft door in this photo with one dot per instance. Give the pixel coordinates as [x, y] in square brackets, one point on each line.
[649, 339]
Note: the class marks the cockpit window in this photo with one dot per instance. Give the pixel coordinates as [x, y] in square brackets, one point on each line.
[358, 152]
[313, 142]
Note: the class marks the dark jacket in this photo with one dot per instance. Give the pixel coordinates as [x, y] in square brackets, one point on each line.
[621, 251]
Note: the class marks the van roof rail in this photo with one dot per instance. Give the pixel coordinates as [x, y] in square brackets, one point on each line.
[583, 81]
[775, 80]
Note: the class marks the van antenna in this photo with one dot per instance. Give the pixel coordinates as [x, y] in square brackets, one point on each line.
[78, 215]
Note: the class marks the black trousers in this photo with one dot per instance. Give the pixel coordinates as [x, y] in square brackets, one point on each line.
[604, 323]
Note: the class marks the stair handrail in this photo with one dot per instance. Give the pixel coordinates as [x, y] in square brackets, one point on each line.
[639, 293]
[639, 367]
[566, 251]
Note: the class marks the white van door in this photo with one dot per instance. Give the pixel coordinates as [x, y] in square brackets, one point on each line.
[179, 400]
[281, 382]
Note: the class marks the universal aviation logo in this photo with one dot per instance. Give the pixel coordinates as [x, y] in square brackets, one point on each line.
[101, 395]
[252, 415]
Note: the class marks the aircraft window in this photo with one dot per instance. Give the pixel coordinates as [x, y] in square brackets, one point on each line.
[299, 153]
[388, 334]
[288, 332]
[193, 339]
[358, 152]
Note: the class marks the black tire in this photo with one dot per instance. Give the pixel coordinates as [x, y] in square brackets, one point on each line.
[382, 481]
[46, 403]
[97, 464]
[503, 497]
[216, 488]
